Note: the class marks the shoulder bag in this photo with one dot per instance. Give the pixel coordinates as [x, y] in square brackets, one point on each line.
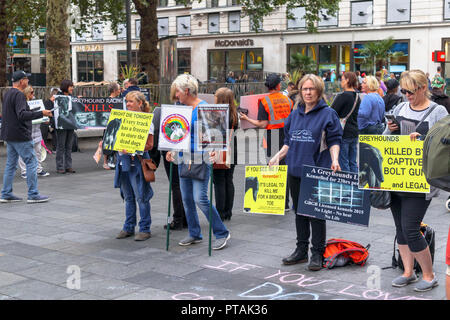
[344, 120]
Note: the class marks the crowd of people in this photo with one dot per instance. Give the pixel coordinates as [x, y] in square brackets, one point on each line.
[301, 129]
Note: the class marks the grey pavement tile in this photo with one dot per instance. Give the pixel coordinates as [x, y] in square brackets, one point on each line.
[148, 294]
[22, 250]
[106, 287]
[79, 237]
[66, 259]
[11, 263]
[116, 256]
[84, 296]
[33, 239]
[50, 273]
[36, 290]
[7, 278]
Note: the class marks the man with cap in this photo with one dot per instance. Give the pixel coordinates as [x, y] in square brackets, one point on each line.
[273, 110]
[438, 93]
[16, 131]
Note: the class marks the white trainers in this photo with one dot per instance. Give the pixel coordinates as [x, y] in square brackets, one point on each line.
[221, 243]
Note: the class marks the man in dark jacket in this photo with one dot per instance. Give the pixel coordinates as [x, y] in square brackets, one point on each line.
[16, 131]
[438, 94]
[133, 86]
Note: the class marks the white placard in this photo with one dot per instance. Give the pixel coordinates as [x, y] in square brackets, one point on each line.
[175, 128]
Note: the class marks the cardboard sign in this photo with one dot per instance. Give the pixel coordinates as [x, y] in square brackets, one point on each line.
[175, 128]
[391, 163]
[64, 117]
[265, 189]
[127, 130]
[251, 104]
[333, 196]
[212, 127]
[94, 112]
[37, 105]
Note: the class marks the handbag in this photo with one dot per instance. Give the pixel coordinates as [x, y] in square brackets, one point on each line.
[344, 120]
[380, 199]
[148, 169]
[194, 171]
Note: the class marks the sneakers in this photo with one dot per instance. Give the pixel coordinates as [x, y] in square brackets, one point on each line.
[221, 243]
[124, 234]
[23, 175]
[43, 174]
[402, 281]
[10, 199]
[38, 199]
[188, 241]
[424, 285]
[142, 236]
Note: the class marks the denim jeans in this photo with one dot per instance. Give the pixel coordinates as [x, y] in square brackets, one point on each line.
[195, 192]
[347, 154]
[129, 186]
[26, 151]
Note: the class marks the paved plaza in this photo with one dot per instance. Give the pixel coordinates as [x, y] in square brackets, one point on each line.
[66, 249]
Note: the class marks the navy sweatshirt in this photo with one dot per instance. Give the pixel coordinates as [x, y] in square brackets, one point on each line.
[303, 133]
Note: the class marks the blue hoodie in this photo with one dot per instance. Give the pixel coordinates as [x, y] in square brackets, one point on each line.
[303, 133]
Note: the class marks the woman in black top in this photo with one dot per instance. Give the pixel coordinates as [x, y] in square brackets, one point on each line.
[343, 104]
[223, 178]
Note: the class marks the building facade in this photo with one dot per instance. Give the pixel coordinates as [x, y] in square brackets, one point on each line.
[214, 39]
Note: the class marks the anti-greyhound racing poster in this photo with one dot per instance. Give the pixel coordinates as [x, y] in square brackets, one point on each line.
[265, 189]
[391, 163]
[175, 128]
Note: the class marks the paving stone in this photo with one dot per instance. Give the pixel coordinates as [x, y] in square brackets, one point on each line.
[7, 278]
[36, 290]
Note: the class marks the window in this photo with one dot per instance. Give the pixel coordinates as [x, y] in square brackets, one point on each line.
[213, 23]
[184, 25]
[245, 64]
[163, 27]
[232, 3]
[299, 18]
[121, 31]
[122, 59]
[234, 21]
[398, 11]
[212, 3]
[362, 12]
[97, 32]
[184, 61]
[253, 25]
[90, 66]
[162, 3]
[446, 9]
[138, 28]
[327, 20]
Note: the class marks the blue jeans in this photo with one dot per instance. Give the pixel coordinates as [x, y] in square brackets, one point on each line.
[195, 192]
[347, 154]
[26, 151]
[129, 186]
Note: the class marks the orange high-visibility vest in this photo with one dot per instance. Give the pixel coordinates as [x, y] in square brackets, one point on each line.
[278, 107]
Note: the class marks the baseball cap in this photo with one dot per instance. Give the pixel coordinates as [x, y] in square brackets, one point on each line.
[272, 80]
[437, 82]
[392, 84]
[19, 75]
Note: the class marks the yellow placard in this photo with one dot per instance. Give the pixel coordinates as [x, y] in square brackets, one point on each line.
[391, 163]
[265, 189]
[127, 130]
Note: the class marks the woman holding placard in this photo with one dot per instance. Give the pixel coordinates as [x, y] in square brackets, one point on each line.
[313, 134]
[414, 117]
[194, 190]
[130, 179]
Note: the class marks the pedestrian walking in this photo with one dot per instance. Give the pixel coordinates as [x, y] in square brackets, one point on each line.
[16, 131]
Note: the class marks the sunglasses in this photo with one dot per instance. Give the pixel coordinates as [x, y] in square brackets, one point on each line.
[404, 91]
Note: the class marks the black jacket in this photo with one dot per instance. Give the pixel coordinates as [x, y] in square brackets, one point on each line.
[441, 98]
[391, 100]
[17, 116]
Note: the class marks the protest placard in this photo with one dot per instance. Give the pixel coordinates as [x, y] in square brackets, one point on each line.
[64, 117]
[250, 103]
[37, 105]
[333, 196]
[212, 127]
[127, 130]
[94, 112]
[175, 128]
[265, 189]
[391, 163]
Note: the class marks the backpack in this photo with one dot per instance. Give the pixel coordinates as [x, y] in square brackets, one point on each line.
[429, 235]
[436, 154]
[340, 252]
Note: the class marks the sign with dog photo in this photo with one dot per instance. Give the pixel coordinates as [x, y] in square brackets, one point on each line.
[265, 189]
[175, 128]
[391, 163]
[127, 130]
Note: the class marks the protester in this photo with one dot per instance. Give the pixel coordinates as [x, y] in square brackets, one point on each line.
[195, 191]
[230, 77]
[391, 99]
[129, 177]
[371, 109]
[16, 131]
[408, 209]
[438, 93]
[382, 87]
[289, 88]
[131, 85]
[36, 136]
[273, 110]
[47, 128]
[343, 104]
[223, 178]
[303, 145]
[65, 138]
[179, 217]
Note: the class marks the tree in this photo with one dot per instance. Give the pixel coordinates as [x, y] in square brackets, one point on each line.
[302, 63]
[376, 53]
[27, 14]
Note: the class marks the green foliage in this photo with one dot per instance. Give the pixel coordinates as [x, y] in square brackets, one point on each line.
[303, 64]
[377, 53]
[129, 72]
[27, 14]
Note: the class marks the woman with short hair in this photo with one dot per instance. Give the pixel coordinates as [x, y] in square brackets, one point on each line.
[371, 109]
[304, 130]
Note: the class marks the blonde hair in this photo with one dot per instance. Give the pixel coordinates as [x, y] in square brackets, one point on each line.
[139, 97]
[173, 92]
[318, 84]
[226, 96]
[186, 81]
[27, 91]
[372, 83]
[414, 79]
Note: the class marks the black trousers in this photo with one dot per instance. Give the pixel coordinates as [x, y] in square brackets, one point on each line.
[177, 201]
[64, 149]
[307, 227]
[408, 213]
[224, 191]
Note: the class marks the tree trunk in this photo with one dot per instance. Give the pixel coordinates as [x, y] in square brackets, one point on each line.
[58, 42]
[148, 47]
[5, 30]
